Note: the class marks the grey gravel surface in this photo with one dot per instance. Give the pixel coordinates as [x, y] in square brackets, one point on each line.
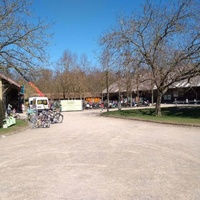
[88, 157]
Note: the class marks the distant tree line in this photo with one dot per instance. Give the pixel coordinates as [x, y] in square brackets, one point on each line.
[70, 75]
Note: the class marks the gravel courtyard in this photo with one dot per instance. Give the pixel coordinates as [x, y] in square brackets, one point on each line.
[89, 157]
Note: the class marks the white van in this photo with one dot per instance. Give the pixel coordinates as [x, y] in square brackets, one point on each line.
[30, 102]
[40, 103]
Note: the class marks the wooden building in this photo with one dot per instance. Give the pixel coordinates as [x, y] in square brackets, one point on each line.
[181, 91]
[9, 92]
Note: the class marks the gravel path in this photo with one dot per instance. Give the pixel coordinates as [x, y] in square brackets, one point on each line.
[89, 157]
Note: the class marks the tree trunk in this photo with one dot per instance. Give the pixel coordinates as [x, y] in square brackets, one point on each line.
[138, 97]
[108, 101]
[152, 97]
[119, 101]
[107, 90]
[158, 104]
[138, 93]
[131, 99]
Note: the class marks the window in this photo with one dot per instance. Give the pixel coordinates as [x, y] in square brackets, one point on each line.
[44, 102]
[167, 97]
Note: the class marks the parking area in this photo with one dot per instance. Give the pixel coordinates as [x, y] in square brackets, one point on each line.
[89, 157]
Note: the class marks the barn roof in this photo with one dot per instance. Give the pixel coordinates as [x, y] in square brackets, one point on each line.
[147, 86]
[3, 77]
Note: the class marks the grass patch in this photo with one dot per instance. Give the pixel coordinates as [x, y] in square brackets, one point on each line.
[20, 125]
[172, 115]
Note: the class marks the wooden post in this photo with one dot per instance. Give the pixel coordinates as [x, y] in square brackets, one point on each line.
[1, 89]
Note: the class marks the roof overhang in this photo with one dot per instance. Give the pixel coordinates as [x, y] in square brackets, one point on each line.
[9, 80]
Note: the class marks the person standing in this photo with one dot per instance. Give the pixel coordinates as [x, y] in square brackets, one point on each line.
[9, 109]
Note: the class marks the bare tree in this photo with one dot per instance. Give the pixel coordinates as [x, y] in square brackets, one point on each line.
[107, 68]
[23, 37]
[84, 69]
[166, 36]
[72, 74]
[130, 70]
[64, 76]
[45, 81]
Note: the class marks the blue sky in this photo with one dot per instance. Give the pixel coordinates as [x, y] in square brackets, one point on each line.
[79, 23]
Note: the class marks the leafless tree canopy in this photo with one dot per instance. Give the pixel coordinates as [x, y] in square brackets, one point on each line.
[165, 37]
[75, 75]
[23, 37]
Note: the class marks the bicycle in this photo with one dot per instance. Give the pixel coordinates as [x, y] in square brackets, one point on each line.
[41, 120]
[44, 119]
[55, 116]
[32, 116]
[14, 114]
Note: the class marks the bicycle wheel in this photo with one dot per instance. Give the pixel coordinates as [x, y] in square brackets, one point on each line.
[33, 121]
[48, 123]
[17, 116]
[59, 117]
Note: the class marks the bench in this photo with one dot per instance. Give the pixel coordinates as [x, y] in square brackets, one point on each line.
[187, 102]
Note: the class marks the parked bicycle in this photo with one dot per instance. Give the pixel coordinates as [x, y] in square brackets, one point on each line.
[15, 114]
[55, 116]
[41, 120]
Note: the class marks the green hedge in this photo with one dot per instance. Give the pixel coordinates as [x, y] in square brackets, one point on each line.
[2, 113]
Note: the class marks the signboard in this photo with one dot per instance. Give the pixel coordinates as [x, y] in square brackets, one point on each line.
[71, 105]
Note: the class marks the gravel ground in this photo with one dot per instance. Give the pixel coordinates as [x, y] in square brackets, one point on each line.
[88, 157]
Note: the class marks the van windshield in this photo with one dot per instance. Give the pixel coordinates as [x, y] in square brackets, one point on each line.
[42, 102]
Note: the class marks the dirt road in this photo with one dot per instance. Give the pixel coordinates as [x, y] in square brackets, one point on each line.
[89, 157]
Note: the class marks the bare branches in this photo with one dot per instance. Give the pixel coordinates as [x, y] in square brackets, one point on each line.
[165, 36]
[23, 38]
